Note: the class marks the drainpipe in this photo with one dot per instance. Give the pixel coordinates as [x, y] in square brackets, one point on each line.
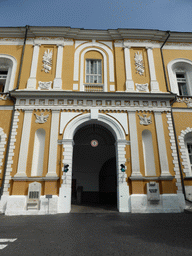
[175, 134]
[13, 99]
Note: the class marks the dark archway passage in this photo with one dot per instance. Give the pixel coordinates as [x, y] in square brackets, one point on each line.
[94, 167]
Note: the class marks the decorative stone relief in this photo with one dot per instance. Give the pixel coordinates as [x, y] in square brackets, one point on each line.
[142, 87]
[41, 119]
[139, 66]
[188, 101]
[45, 85]
[47, 61]
[3, 96]
[144, 120]
[41, 102]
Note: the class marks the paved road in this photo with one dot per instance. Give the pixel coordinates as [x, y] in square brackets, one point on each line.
[98, 234]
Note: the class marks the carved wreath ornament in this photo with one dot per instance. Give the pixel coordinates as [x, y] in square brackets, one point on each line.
[139, 66]
[47, 60]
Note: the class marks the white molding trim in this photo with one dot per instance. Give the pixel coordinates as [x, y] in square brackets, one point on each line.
[57, 84]
[129, 84]
[161, 145]
[24, 146]
[3, 137]
[11, 72]
[174, 154]
[82, 72]
[134, 144]
[96, 45]
[11, 153]
[154, 84]
[172, 75]
[31, 83]
[184, 154]
[52, 164]
[64, 204]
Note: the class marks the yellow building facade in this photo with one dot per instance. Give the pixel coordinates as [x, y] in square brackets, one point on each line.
[95, 117]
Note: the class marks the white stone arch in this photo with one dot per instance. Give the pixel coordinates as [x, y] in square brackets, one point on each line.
[3, 137]
[183, 65]
[11, 63]
[113, 126]
[184, 152]
[94, 46]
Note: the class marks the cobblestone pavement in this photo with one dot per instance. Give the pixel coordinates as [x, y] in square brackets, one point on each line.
[96, 234]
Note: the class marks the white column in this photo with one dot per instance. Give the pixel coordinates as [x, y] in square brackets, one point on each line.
[161, 145]
[22, 164]
[134, 145]
[129, 82]
[52, 165]
[64, 204]
[123, 201]
[57, 84]
[31, 83]
[154, 83]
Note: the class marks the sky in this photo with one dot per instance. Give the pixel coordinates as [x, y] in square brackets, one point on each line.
[173, 15]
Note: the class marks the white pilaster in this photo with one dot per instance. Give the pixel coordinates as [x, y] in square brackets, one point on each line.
[53, 144]
[123, 200]
[64, 203]
[31, 83]
[154, 83]
[22, 164]
[161, 145]
[134, 145]
[129, 82]
[57, 84]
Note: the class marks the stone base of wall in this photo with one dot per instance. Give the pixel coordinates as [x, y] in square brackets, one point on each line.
[138, 203]
[169, 203]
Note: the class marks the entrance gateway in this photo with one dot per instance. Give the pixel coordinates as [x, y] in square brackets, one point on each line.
[110, 136]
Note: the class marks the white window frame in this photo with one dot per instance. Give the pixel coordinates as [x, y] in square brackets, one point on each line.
[90, 74]
[8, 63]
[180, 66]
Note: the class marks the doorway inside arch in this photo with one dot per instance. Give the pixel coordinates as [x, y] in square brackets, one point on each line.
[94, 179]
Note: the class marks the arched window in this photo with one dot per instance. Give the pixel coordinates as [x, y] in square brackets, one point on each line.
[38, 153]
[148, 153]
[180, 76]
[7, 72]
[188, 147]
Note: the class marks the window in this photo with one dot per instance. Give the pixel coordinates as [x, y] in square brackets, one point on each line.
[93, 72]
[3, 78]
[180, 76]
[189, 148]
[182, 83]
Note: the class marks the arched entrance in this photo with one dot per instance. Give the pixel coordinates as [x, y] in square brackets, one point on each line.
[94, 179]
[70, 129]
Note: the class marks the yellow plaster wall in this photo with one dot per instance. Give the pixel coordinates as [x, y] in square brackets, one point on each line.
[68, 67]
[34, 127]
[14, 51]
[151, 128]
[26, 66]
[140, 79]
[159, 69]
[41, 74]
[120, 75]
